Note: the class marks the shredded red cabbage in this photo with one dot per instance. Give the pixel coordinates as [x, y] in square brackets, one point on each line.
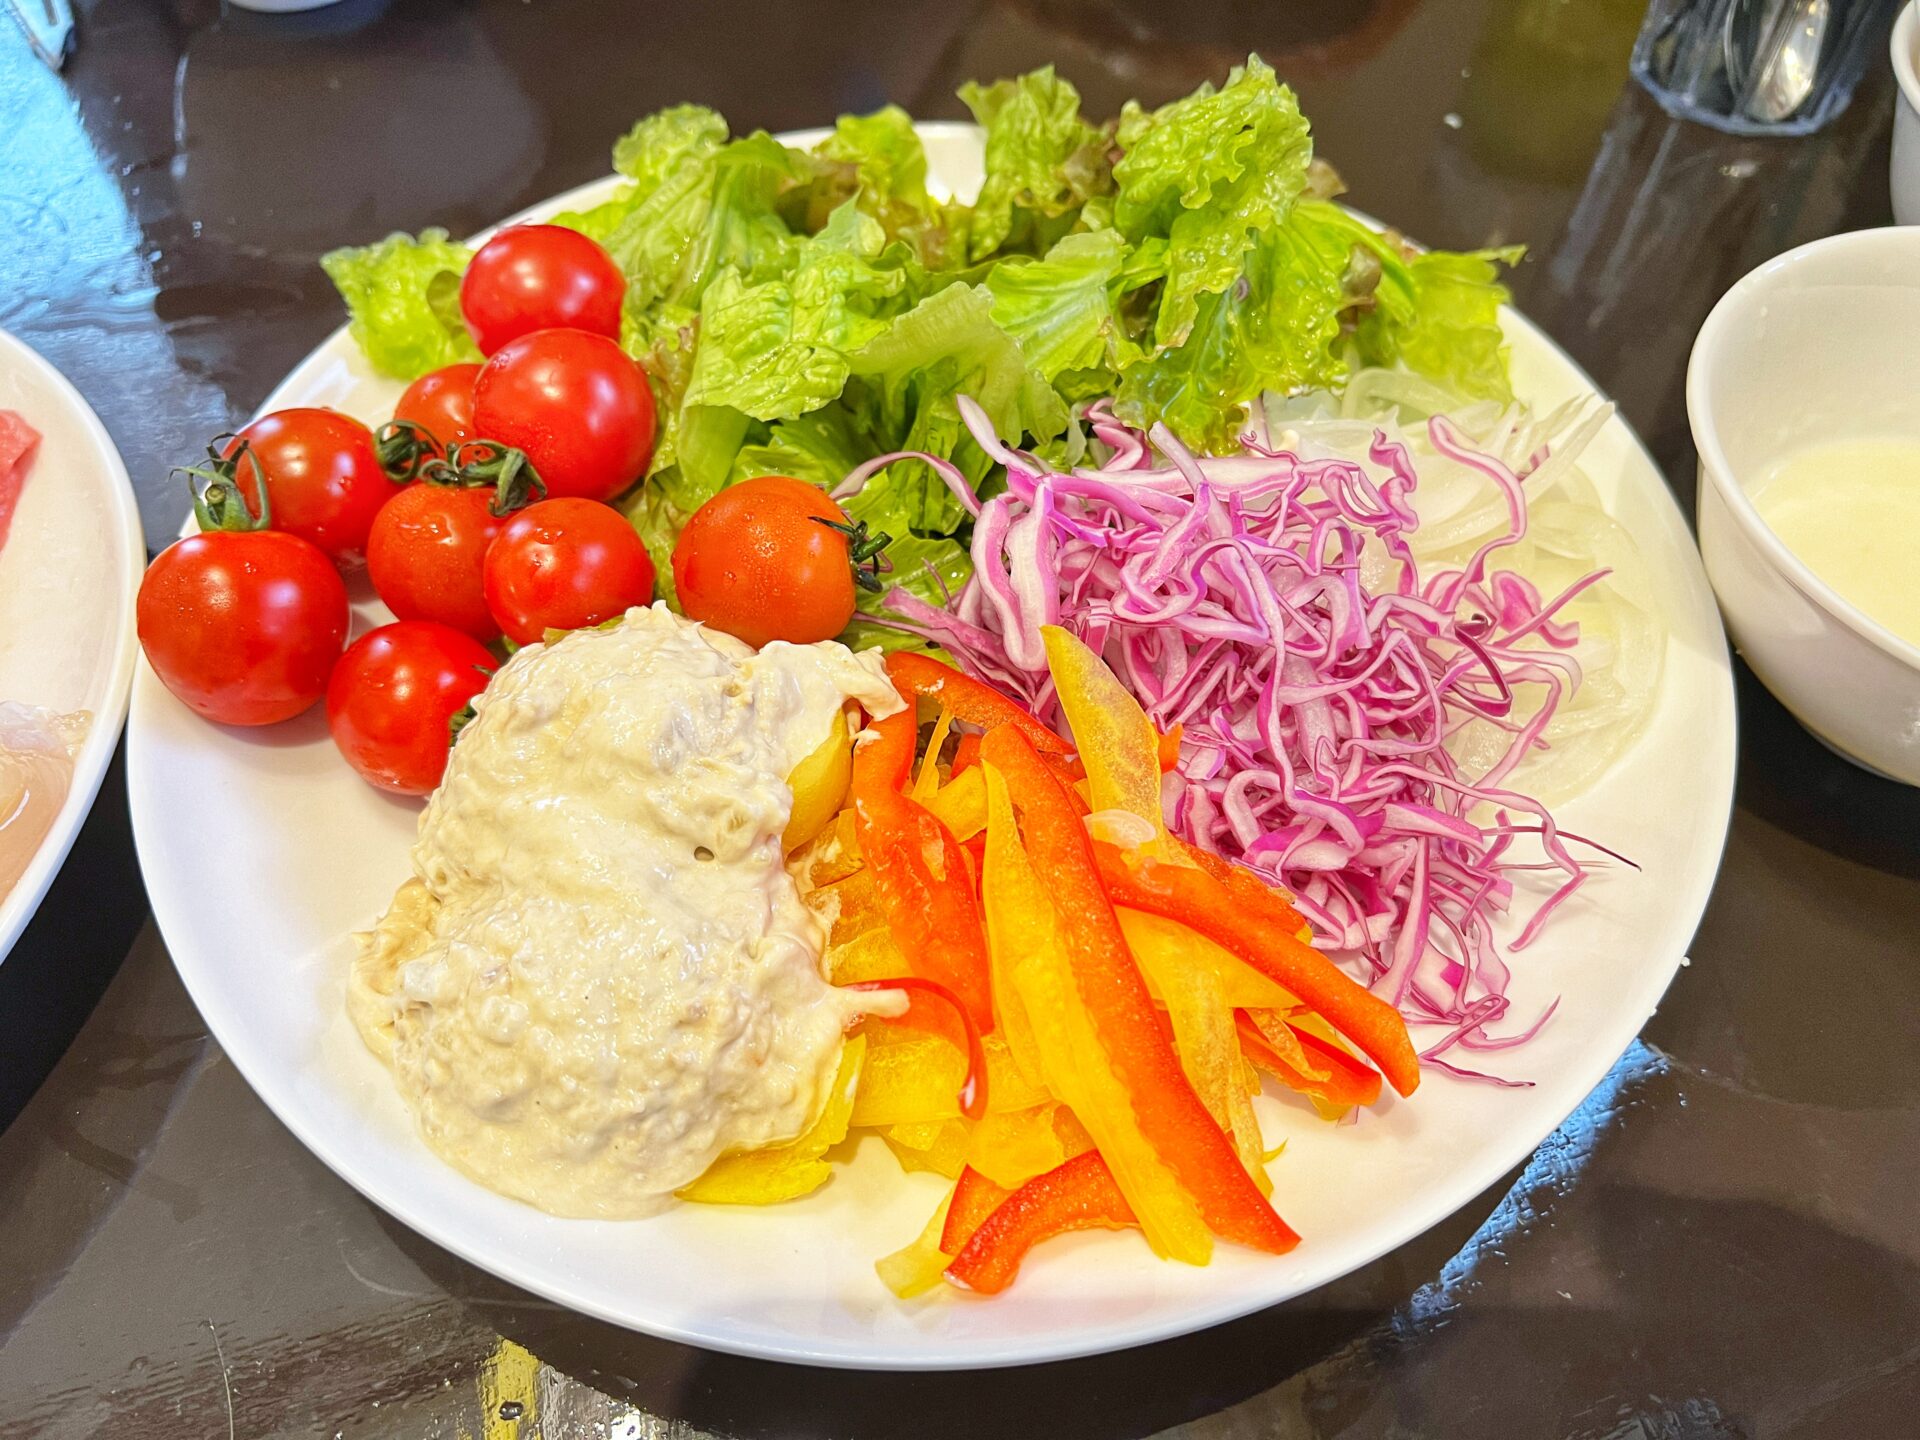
[1226, 593]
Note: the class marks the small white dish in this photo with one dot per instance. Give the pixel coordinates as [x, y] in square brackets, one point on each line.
[1816, 345]
[68, 577]
[1904, 172]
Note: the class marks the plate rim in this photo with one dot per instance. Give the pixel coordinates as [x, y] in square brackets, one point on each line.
[1418, 1216]
[90, 765]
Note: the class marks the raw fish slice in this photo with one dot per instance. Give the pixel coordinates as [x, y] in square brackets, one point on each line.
[18, 443]
[37, 747]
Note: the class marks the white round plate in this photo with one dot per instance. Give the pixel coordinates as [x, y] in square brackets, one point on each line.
[307, 854]
[68, 576]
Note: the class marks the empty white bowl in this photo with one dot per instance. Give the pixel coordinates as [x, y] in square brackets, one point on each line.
[1816, 345]
[1904, 178]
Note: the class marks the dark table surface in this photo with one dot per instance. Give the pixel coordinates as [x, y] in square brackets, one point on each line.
[1723, 1241]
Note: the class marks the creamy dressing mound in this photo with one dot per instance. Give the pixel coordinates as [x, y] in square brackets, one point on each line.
[601, 976]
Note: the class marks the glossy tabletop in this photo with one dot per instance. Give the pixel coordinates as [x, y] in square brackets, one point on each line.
[1723, 1242]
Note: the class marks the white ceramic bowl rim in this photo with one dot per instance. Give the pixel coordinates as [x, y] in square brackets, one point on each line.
[1706, 434]
[1901, 46]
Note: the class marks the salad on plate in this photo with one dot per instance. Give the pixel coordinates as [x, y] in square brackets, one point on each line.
[1014, 678]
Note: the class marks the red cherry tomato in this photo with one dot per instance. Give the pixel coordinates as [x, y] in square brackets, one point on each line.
[577, 406]
[324, 482]
[756, 562]
[393, 697]
[426, 553]
[243, 626]
[441, 403]
[564, 565]
[540, 277]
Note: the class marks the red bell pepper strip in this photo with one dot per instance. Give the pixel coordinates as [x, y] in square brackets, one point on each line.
[973, 1089]
[975, 1197]
[967, 699]
[1198, 901]
[1171, 1116]
[965, 755]
[1348, 1082]
[1245, 886]
[925, 888]
[1078, 1195]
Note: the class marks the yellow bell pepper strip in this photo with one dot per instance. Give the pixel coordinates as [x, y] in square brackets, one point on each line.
[832, 855]
[937, 1145]
[853, 903]
[911, 1077]
[973, 1089]
[1073, 1061]
[927, 782]
[1197, 900]
[916, 1268]
[819, 786]
[1171, 943]
[1109, 982]
[1111, 733]
[923, 677]
[1074, 1139]
[961, 804]
[786, 1172]
[1203, 1035]
[1010, 935]
[1079, 1195]
[870, 955]
[1010, 1147]
[975, 1197]
[919, 871]
[1341, 1080]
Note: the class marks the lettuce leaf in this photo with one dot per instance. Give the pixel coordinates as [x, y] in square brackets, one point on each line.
[1275, 329]
[779, 348]
[1438, 313]
[389, 289]
[1064, 309]
[1210, 173]
[1042, 161]
[912, 377]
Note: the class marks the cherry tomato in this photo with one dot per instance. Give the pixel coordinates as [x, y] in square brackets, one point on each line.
[243, 626]
[393, 696]
[441, 403]
[426, 552]
[577, 406]
[324, 482]
[564, 565]
[756, 562]
[540, 277]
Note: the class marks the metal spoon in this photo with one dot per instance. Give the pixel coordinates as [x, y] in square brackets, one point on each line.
[1773, 54]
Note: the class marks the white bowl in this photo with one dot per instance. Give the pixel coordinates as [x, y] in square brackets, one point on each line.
[1904, 177]
[1815, 345]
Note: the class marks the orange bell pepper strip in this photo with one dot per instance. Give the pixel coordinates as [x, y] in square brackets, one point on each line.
[1169, 1113]
[1078, 1195]
[1170, 748]
[926, 890]
[964, 698]
[975, 1197]
[1348, 1082]
[1198, 901]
